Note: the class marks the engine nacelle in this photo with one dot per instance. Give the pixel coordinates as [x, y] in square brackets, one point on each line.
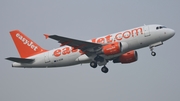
[128, 57]
[115, 48]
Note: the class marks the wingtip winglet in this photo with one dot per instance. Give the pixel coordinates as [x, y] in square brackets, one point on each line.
[46, 36]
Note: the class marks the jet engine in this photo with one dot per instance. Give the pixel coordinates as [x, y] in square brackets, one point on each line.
[128, 57]
[115, 48]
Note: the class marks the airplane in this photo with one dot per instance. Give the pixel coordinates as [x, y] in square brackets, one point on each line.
[118, 47]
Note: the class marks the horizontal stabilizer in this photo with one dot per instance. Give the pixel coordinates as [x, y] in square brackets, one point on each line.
[20, 60]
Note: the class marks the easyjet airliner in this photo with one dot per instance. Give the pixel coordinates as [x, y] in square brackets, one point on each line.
[118, 47]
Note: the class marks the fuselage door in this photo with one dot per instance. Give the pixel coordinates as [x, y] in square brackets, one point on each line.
[146, 31]
[46, 57]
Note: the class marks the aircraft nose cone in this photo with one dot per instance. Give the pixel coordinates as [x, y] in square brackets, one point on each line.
[172, 32]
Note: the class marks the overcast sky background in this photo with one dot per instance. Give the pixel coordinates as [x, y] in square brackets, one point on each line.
[149, 79]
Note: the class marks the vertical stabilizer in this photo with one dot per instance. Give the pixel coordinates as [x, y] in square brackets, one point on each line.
[25, 46]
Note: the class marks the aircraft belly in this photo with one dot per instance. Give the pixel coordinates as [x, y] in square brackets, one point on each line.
[83, 59]
[64, 60]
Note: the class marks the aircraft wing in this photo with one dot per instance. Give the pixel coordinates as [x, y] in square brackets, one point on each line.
[78, 44]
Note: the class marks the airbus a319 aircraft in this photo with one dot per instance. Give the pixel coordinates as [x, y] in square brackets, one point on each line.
[119, 47]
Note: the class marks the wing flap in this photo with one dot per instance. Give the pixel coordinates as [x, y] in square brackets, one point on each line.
[20, 60]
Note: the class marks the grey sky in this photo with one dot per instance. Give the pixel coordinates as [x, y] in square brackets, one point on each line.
[148, 79]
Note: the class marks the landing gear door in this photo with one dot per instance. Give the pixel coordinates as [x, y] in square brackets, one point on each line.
[46, 57]
[146, 31]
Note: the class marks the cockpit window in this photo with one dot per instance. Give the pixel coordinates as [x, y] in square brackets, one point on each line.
[160, 27]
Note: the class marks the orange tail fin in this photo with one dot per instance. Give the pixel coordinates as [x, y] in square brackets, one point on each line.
[25, 46]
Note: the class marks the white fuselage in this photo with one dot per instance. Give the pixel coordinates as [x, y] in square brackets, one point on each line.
[134, 39]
